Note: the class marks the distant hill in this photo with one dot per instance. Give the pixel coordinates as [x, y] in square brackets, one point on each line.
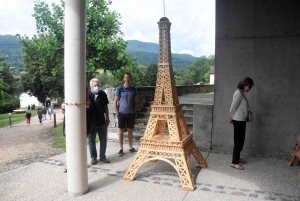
[147, 53]
[11, 49]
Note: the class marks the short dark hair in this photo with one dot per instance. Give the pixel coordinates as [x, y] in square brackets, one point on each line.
[128, 74]
[245, 82]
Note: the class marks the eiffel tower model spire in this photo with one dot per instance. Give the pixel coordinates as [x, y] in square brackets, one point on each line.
[167, 136]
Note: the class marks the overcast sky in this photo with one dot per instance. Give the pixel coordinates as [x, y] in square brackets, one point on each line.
[192, 30]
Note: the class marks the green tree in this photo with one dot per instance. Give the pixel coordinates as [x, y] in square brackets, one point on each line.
[3, 94]
[137, 72]
[44, 54]
[150, 75]
[178, 76]
[198, 71]
[104, 43]
[14, 86]
[44, 75]
[8, 88]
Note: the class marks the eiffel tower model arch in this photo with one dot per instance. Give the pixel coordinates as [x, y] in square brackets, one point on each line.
[167, 137]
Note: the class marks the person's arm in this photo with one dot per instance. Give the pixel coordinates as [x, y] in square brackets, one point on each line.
[234, 105]
[136, 102]
[107, 115]
[115, 104]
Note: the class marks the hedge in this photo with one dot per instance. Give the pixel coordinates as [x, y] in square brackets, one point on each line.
[7, 106]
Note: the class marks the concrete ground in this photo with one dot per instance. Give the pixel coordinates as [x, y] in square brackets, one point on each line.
[264, 178]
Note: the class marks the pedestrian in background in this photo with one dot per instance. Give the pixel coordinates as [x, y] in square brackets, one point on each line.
[238, 116]
[40, 115]
[28, 117]
[50, 110]
[44, 112]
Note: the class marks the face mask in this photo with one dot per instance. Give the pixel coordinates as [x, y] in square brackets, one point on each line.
[96, 89]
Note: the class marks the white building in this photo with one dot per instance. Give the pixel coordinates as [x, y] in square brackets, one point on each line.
[26, 100]
[211, 73]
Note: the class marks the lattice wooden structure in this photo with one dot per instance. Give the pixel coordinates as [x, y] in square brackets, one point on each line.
[167, 137]
[295, 156]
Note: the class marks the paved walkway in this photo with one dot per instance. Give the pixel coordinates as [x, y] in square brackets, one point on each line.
[20, 143]
[264, 178]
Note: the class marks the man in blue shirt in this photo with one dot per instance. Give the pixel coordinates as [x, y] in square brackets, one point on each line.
[98, 121]
[125, 105]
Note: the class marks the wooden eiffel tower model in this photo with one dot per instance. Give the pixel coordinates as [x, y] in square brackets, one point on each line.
[167, 136]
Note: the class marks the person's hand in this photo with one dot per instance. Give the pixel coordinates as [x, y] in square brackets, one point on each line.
[107, 122]
[230, 121]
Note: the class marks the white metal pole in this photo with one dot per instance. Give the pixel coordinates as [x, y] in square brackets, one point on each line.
[75, 79]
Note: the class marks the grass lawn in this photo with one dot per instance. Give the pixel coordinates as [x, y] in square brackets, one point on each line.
[60, 140]
[210, 93]
[15, 118]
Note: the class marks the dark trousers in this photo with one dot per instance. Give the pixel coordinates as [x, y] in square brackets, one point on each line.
[239, 139]
[102, 133]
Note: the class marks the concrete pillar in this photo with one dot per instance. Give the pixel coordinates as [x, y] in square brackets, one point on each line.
[202, 125]
[75, 79]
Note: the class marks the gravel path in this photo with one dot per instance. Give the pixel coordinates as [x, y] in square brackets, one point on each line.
[21, 144]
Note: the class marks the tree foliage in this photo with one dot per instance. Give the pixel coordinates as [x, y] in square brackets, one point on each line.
[178, 76]
[150, 75]
[44, 54]
[105, 47]
[137, 71]
[198, 71]
[10, 88]
[3, 94]
[14, 86]
[44, 73]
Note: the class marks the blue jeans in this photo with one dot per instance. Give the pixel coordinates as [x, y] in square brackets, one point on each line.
[102, 133]
[40, 118]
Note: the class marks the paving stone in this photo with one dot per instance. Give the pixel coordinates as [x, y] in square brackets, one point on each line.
[223, 192]
[270, 198]
[260, 192]
[167, 183]
[238, 193]
[254, 195]
[205, 189]
[245, 190]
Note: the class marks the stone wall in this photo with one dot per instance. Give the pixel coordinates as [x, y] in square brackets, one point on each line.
[147, 94]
